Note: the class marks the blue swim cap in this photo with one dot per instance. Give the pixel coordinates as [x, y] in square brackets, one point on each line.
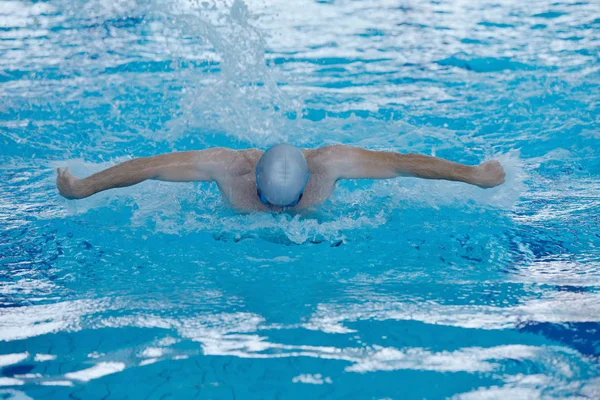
[281, 174]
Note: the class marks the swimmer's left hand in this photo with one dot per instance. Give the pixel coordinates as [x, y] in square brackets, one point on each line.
[489, 174]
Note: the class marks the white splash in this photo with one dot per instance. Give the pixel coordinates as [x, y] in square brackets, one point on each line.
[56, 383]
[472, 359]
[9, 359]
[11, 382]
[97, 371]
[316, 379]
[559, 307]
[44, 357]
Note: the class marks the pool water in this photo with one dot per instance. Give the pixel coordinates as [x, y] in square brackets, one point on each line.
[401, 289]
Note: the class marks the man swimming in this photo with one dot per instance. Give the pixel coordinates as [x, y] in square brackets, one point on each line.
[281, 178]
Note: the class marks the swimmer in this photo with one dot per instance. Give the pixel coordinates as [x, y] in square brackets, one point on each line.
[282, 178]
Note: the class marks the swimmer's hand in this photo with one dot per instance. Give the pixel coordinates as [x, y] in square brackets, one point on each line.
[68, 186]
[488, 174]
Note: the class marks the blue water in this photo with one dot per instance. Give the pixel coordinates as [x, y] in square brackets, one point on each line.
[401, 289]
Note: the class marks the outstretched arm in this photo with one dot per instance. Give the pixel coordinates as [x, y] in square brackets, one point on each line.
[347, 162]
[175, 167]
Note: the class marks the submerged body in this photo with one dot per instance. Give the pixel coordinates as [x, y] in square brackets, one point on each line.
[234, 171]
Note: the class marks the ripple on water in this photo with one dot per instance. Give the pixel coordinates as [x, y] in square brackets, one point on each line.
[160, 290]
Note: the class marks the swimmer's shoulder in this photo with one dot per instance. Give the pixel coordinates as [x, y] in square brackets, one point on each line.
[239, 156]
[319, 159]
[245, 160]
[251, 154]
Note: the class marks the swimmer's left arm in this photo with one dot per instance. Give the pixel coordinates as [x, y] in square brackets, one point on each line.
[354, 163]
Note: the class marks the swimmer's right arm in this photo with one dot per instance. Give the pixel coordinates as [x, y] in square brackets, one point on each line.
[186, 166]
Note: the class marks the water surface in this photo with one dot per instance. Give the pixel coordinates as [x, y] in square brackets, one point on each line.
[393, 289]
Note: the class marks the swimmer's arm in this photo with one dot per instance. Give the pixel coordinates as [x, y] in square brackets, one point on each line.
[187, 166]
[354, 163]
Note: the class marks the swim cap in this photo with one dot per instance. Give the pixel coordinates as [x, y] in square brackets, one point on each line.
[281, 174]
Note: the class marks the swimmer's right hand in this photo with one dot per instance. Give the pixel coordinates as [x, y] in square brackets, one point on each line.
[489, 174]
[68, 186]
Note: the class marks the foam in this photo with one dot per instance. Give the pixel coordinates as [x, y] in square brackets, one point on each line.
[473, 359]
[316, 379]
[97, 371]
[56, 383]
[11, 381]
[15, 358]
[239, 335]
[42, 319]
[560, 307]
[44, 357]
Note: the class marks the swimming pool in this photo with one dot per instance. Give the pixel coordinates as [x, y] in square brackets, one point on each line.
[393, 289]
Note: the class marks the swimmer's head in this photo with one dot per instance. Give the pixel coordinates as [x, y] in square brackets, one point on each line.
[281, 174]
